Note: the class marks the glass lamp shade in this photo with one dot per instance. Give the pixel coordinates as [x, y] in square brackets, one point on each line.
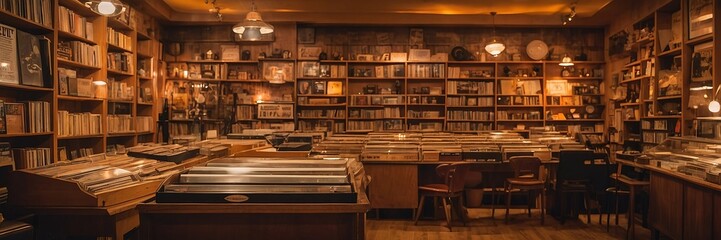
[108, 8]
[253, 21]
[714, 106]
[251, 34]
[495, 48]
[566, 62]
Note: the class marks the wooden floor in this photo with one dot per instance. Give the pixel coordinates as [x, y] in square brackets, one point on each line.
[482, 226]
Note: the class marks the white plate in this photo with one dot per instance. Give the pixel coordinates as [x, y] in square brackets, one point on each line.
[537, 49]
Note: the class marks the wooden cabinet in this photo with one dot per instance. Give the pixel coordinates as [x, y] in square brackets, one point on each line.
[716, 215]
[698, 217]
[393, 185]
[665, 213]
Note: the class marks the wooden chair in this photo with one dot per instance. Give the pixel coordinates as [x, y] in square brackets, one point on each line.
[573, 177]
[616, 191]
[526, 177]
[454, 180]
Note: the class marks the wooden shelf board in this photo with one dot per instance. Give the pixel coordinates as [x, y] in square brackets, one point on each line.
[376, 78]
[78, 8]
[573, 78]
[321, 78]
[520, 120]
[321, 95]
[116, 48]
[428, 119]
[662, 117]
[470, 106]
[427, 104]
[633, 79]
[700, 39]
[470, 94]
[630, 104]
[144, 104]
[121, 73]
[456, 79]
[322, 105]
[13, 135]
[80, 137]
[320, 118]
[217, 61]
[120, 101]
[144, 133]
[68, 35]
[519, 106]
[672, 52]
[577, 120]
[426, 78]
[145, 78]
[64, 62]
[458, 120]
[23, 24]
[76, 98]
[669, 97]
[11, 86]
[142, 55]
[124, 134]
[520, 78]
[141, 36]
[117, 25]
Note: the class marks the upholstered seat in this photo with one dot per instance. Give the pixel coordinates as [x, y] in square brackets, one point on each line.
[526, 177]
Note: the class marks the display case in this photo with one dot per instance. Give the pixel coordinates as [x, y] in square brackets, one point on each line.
[698, 157]
[376, 151]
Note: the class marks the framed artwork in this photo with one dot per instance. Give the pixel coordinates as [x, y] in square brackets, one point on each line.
[415, 40]
[310, 69]
[278, 70]
[419, 55]
[309, 53]
[230, 52]
[557, 87]
[306, 35]
[700, 18]
[365, 57]
[275, 111]
[701, 62]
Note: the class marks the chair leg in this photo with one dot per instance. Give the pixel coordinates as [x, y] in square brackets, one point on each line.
[447, 213]
[493, 203]
[529, 204]
[543, 205]
[587, 202]
[508, 203]
[561, 213]
[617, 207]
[419, 210]
[461, 210]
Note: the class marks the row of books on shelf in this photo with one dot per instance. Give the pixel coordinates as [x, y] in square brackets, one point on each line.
[375, 125]
[426, 70]
[145, 95]
[178, 129]
[329, 113]
[391, 112]
[245, 112]
[519, 115]
[654, 137]
[655, 125]
[519, 100]
[71, 85]
[79, 52]
[79, 124]
[327, 126]
[144, 123]
[363, 100]
[26, 58]
[120, 123]
[385, 71]
[457, 72]
[38, 11]
[71, 22]
[120, 90]
[426, 126]
[470, 115]
[120, 62]
[322, 100]
[31, 157]
[470, 101]
[26, 117]
[119, 39]
[424, 114]
[470, 87]
[468, 126]
[315, 69]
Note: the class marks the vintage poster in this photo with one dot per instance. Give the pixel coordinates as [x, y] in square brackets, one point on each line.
[8, 60]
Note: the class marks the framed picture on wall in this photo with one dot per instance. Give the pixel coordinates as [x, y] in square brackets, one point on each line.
[278, 70]
[701, 62]
[275, 111]
[306, 35]
[700, 18]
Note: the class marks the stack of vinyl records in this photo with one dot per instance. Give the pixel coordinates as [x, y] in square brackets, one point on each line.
[170, 153]
[253, 180]
[3, 195]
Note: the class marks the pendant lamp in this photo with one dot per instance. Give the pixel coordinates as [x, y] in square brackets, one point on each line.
[566, 61]
[108, 8]
[494, 47]
[253, 26]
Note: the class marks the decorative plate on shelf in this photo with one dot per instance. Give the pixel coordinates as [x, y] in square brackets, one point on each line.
[537, 50]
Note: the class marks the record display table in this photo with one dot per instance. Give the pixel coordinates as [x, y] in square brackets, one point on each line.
[260, 198]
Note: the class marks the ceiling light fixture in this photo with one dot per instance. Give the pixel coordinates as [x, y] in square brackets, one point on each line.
[494, 47]
[566, 61]
[569, 17]
[253, 26]
[108, 8]
[214, 9]
[99, 83]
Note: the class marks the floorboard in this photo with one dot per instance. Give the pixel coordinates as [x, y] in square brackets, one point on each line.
[482, 227]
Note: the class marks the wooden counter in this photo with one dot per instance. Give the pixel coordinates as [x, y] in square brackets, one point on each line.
[682, 206]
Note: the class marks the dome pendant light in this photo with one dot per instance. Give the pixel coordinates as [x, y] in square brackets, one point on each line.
[253, 26]
[714, 106]
[494, 47]
[566, 61]
[108, 8]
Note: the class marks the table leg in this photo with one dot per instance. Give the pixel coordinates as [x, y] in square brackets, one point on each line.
[630, 217]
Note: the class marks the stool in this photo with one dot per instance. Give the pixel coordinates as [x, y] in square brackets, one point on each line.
[633, 185]
[616, 190]
[12, 230]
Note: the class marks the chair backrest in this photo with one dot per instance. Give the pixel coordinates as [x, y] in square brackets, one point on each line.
[454, 175]
[572, 165]
[526, 166]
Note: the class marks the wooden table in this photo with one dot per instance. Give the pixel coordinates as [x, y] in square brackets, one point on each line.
[64, 222]
[681, 206]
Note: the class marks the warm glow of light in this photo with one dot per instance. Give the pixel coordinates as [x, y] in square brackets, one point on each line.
[714, 106]
[106, 8]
